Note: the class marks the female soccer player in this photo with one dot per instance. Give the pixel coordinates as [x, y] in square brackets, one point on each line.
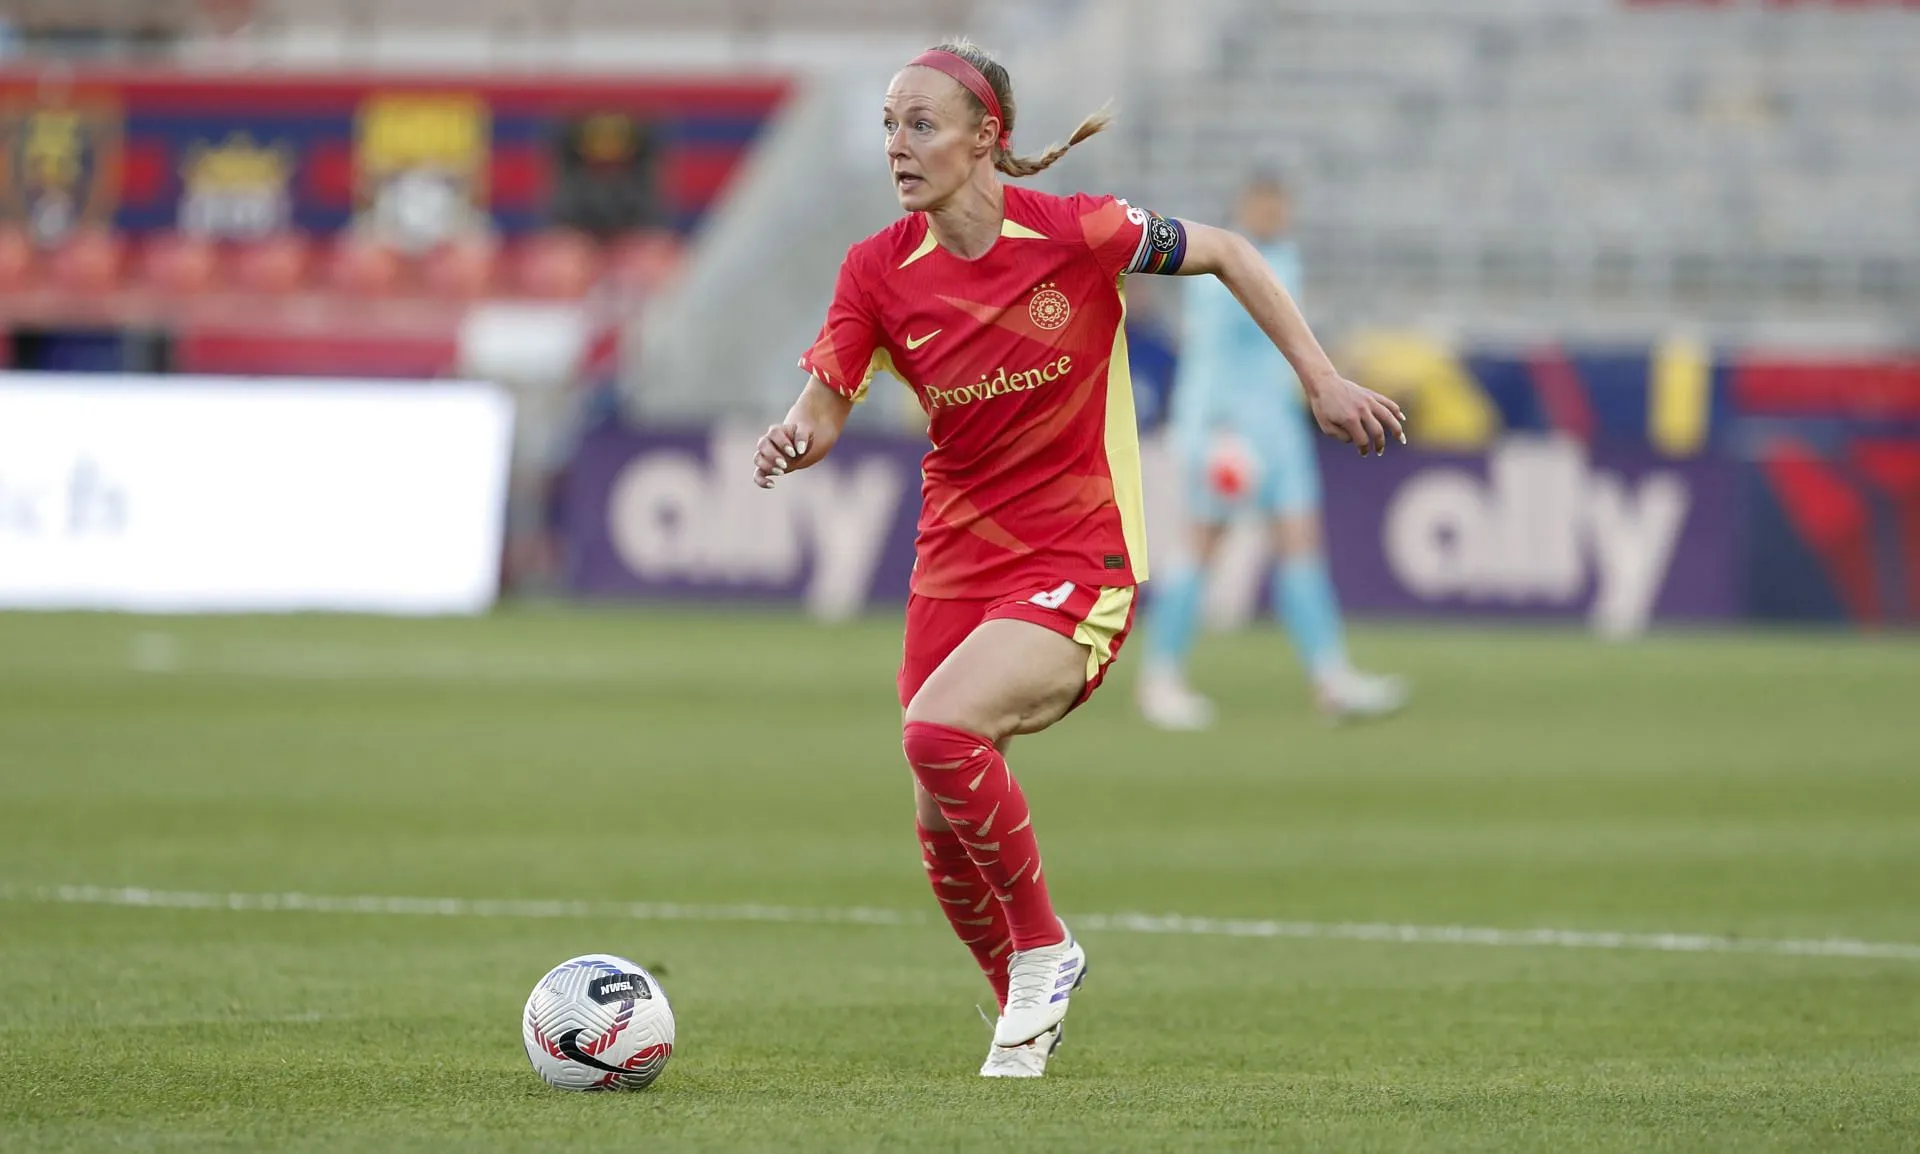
[1235, 424]
[1001, 309]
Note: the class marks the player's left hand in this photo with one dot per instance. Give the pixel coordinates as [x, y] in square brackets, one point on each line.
[1357, 415]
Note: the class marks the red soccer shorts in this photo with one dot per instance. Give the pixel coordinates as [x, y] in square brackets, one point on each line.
[1097, 618]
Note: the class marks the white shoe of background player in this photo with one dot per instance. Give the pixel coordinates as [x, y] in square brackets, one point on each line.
[1348, 694]
[1166, 702]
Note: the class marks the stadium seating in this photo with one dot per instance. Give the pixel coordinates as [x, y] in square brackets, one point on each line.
[1566, 160]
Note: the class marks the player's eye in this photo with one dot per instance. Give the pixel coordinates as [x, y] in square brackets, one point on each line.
[889, 125]
[923, 125]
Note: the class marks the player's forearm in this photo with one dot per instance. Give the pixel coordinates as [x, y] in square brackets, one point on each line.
[1246, 274]
[817, 417]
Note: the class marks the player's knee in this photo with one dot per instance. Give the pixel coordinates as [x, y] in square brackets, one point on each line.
[937, 703]
[1296, 535]
[935, 744]
[1206, 537]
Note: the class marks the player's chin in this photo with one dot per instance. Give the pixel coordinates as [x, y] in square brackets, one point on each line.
[914, 194]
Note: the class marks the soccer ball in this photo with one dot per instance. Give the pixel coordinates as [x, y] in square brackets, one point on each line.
[598, 1022]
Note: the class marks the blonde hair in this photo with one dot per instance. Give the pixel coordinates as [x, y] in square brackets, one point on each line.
[1002, 85]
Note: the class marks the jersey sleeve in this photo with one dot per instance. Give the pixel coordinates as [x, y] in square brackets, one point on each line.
[1126, 239]
[847, 351]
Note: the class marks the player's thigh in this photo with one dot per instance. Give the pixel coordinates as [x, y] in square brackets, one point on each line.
[1297, 534]
[1009, 676]
[935, 627]
[1204, 539]
[1204, 507]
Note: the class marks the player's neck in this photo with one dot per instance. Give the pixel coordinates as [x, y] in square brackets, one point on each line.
[968, 223]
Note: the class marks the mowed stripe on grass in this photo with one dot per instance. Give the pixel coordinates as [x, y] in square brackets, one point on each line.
[1135, 923]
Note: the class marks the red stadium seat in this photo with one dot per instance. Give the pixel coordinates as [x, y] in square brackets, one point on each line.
[364, 267]
[461, 269]
[646, 262]
[273, 264]
[558, 265]
[89, 261]
[179, 263]
[16, 258]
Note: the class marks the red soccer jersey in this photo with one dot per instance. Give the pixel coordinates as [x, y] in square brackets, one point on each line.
[1020, 360]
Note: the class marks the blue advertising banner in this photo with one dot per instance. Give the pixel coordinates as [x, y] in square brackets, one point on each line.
[1539, 527]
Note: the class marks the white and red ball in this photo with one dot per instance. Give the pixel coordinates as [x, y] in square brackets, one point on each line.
[1232, 470]
[598, 1022]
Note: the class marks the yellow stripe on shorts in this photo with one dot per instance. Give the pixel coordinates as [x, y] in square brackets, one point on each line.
[1103, 624]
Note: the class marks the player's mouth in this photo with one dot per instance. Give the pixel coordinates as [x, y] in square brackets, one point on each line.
[907, 181]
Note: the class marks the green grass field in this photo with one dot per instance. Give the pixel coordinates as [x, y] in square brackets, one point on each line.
[1763, 789]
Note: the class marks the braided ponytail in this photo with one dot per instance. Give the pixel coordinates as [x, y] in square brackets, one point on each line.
[1007, 162]
[1002, 84]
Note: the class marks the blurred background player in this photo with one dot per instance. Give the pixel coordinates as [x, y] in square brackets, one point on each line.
[1241, 440]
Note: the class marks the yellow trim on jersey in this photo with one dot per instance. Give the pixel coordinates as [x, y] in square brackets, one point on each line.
[1019, 231]
[1103, 623]
[927, 245]
[881, 359]
[1123, 445]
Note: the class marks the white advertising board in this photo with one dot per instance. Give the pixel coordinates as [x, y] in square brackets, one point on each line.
[200, 494]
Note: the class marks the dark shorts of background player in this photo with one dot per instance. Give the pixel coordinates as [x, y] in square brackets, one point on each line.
[1097, 618]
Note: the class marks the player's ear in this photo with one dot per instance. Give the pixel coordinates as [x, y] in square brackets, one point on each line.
[986, 132]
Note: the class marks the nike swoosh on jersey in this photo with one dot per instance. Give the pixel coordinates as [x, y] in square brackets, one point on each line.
[914, 342]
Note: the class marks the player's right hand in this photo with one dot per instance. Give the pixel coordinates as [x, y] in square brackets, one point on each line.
[783, 447]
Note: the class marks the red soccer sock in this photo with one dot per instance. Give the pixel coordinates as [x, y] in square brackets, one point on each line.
[977, 795]
[969, 905]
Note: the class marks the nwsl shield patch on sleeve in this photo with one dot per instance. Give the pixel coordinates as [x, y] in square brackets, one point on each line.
[1163, 245]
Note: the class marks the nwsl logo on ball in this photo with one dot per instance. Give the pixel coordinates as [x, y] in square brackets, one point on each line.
[616, 988]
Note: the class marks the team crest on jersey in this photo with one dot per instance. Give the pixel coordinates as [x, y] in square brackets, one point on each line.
[1049, 308]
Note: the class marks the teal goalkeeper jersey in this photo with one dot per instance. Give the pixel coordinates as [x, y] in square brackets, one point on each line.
[1230, 376]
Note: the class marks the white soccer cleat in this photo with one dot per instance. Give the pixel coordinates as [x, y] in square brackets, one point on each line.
[1349, 694]
[1166, 702]
[1028, 1061]
[1039, 983]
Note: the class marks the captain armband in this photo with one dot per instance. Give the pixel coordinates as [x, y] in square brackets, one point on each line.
[1163, 245]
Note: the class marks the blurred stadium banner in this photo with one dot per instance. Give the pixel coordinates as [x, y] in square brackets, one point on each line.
[182, 494]
[1620, 485]
[246, 154]
[1538, 527]
[1535, 526]
[341, 223]
[657, 514]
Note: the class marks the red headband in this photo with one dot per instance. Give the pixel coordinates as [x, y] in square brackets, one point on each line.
[971, 79]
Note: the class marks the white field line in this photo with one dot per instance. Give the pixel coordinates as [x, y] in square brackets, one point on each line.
[869, 916]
